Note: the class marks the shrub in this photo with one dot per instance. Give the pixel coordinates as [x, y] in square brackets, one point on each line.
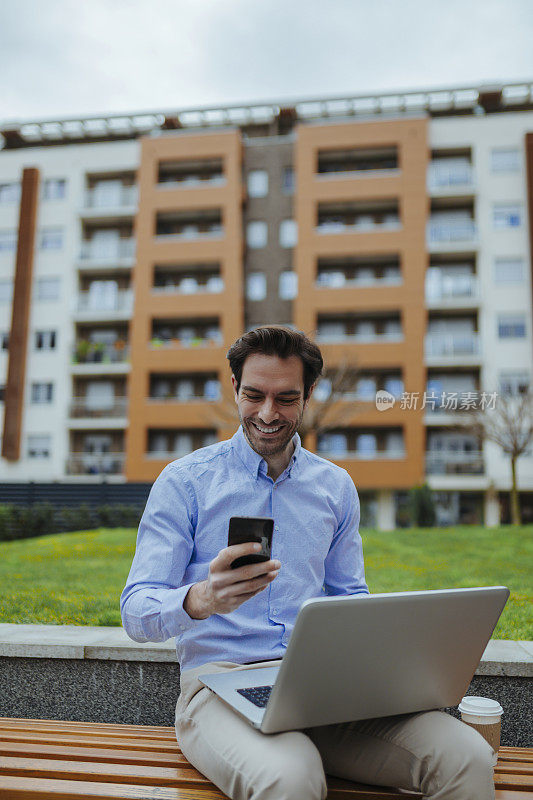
[77, 518]
[119, 516]
[423, 506]
[24, 522]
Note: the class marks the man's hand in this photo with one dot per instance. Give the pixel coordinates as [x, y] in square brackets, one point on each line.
[226, 589]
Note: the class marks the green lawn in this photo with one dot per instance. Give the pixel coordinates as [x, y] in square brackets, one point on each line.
[76, 578]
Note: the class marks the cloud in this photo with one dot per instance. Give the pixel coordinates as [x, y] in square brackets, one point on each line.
[65, 58]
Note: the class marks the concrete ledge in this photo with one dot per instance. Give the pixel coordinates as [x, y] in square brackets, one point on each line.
[502, 657]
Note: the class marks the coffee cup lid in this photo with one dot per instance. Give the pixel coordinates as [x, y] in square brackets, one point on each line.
[482, 706]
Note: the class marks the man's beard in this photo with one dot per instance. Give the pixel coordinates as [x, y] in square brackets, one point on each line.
[262, 446]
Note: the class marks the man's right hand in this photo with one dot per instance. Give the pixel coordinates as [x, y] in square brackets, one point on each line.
[226, 589]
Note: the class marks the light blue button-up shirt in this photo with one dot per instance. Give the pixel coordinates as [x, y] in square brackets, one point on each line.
[185, 525]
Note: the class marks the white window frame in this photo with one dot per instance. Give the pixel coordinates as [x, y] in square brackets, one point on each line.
[54, 189]
[51, 239]
[45, 340]
[8, 241]
[42, 392]
[257, 234]
[256, 286]
[9, 193]
[515, 381]
[39, 445]
[501, 271]
[288, 284]
[507, 215]
[6, 290]
[257, 183]
[43, 288]
[288, 233]
[509, 321]
[505, 159]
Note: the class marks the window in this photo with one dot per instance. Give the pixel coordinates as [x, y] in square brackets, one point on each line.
[2, 393]
[512, 326]
[42, 392]
[4, 341]
[256, 235]
[288, 180]
[9, 193]
[366, 445]
[394, 386]
[505, 159]
[507, 215]
[288, 285]
[258, 183]
[514, 383]
[6, 291]
[39, 445]
[288, 233]
[509, 270]
[8, 241]
[51, 239]
[256, 287]
[45, 340]
[54, 189]
[47, 288]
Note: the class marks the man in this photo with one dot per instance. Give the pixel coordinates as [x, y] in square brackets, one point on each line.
[181, 585]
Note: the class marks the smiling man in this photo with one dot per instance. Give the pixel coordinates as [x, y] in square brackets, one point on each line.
[181, 585]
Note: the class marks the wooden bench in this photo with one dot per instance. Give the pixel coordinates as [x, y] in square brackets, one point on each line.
[49, 760]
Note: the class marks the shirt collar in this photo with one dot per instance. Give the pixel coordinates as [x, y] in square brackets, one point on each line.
[252, 460]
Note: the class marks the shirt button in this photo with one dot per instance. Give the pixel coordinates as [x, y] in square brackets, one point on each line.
[182, 627]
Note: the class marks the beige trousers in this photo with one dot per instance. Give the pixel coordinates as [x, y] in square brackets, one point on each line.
[429, 752]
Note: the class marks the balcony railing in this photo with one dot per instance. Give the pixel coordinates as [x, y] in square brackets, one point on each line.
[449, 232]
[192, 286]
[360, 226]
[336, 280]
[452, 344]
[445, 462]
[125, 197]
[121, 300]
[334, 338]
[94, 251]
[193, 232]
[215, 339]
[452, 287]
[378, 455]
[95, 464]
[85, 352]
[447, 176]
[191, 181]
[84, 407]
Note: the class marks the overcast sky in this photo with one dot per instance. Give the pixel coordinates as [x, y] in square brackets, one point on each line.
[61, 58]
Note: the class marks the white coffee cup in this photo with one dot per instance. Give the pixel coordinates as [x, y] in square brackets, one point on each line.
[485, 716]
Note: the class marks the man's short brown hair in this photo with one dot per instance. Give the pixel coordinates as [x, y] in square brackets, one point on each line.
[273, 340]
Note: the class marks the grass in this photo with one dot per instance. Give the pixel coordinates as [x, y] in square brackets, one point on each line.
[76, 578]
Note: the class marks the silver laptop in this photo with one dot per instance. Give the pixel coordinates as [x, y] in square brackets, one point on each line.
[364, 656]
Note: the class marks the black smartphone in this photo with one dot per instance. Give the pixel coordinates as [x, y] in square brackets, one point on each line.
[251, 529]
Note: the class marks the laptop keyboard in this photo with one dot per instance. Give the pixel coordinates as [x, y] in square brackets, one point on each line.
[258, 695]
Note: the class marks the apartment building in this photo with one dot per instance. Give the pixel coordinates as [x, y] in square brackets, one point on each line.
[392, 229]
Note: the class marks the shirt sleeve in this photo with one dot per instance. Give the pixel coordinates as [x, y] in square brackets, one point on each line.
[152, 601]
[344, 566]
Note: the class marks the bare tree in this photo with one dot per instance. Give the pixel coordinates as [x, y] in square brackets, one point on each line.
[508, 422]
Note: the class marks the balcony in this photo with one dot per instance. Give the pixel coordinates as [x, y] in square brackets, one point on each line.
[189, 226]
[356, 278]
[120, 252]
[115, 304]
[95, 464]
[98, 353]
[452, 344]
[451, 235]
[448, 462]
[364, 217]
[355, 162]
[451, 291]
[191, 174]
[367, 445]
[359, 330]
[116, 202]
[166, 445]
[185, 389]
[191, 333]
[82, 407]
[450, 178]
[172, 282]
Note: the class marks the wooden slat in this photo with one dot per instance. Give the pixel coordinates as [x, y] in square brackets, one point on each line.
[13, 788]
[133, 732]
[95, 741]
[77, 725]
[101, 772]
[70, 753]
